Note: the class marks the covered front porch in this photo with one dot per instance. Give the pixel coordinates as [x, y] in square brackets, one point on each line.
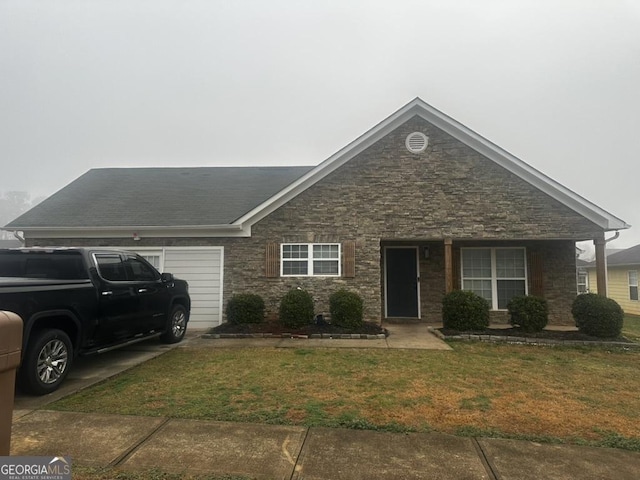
[416, 274]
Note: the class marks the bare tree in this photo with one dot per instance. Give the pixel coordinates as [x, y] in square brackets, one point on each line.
[12, 205]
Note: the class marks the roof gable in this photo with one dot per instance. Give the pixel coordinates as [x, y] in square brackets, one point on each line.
[417, 107]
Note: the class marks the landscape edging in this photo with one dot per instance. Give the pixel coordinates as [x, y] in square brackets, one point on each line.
[530, 340]
[315, 336]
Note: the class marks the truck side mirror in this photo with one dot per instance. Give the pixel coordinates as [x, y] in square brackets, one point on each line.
[167, 277]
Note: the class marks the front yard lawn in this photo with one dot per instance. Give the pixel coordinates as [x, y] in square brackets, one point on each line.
[631, 327]
[582, 395]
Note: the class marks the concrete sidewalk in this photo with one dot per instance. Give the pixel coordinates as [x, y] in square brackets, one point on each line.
[287, 452]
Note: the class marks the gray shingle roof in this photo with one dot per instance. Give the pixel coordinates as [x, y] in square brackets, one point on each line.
[159, 197]
[630, 256]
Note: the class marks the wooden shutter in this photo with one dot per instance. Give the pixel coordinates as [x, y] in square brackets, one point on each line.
[349, 259]
[536, 274]
[272, 260]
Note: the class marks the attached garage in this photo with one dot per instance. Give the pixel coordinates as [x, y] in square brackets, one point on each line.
[202, 267]
[175, 217]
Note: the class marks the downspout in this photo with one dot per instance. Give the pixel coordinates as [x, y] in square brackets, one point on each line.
[606, 268]
[607, 240]
[17, 235]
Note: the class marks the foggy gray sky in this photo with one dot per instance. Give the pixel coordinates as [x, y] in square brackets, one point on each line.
[90, 83]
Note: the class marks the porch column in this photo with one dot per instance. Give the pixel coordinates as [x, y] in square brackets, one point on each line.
[448, 265]
[601, 265]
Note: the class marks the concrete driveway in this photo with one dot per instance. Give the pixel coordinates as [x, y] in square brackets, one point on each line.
[87, 371]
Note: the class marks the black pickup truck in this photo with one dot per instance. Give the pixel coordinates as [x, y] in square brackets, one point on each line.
[80, 301]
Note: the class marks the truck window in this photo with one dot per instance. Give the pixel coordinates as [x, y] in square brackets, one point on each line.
[111, 267]
[53, 266]
[140, 271]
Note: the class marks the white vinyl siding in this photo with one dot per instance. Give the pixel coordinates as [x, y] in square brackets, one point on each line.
[496, 274]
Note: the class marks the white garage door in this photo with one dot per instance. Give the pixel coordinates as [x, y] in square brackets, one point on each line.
[202, 267]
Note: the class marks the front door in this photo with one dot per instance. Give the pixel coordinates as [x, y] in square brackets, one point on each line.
[401, 282]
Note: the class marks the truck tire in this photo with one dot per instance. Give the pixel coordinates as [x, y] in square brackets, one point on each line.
[177, 326]
[46, 362]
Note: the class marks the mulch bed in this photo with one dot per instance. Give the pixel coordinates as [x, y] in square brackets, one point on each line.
[370, 328]
[275, 328]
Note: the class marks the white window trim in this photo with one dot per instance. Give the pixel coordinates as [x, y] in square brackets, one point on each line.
[494, 273]
[310, 260]
[585, 283]
[633, 284]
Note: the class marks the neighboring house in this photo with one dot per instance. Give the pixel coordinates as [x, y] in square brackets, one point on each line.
[582, 273]
[417, 206]
[582, 276]
[10, 243]
[622, 271]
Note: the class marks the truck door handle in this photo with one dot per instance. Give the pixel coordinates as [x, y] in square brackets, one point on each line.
[107, 293]
[142, 290]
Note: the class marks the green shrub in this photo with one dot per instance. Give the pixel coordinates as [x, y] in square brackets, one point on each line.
[296, 308]
[528, 312]
[597, 315]
[245, 308]
[463, 310]
[346, 309]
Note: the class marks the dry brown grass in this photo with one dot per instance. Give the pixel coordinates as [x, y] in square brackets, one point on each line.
[572, 394]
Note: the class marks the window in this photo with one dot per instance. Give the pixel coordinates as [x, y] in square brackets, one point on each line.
[310, 259]
[633, 284]
[583, 282]
[111, 267]
[140, 271]
[496, 274]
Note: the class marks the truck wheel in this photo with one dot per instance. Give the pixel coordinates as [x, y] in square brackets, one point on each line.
[177, 325]
[46, 362]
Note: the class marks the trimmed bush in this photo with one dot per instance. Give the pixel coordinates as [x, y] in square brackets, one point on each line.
[464, 311]
[529, 313]
[296, 308]
[597, 316]
[346, 309]
[245, 308]
[581, 306]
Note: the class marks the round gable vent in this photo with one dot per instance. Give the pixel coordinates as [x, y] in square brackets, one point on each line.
[417, 142]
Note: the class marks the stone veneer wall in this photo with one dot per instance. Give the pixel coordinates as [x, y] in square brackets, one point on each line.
[387, 194]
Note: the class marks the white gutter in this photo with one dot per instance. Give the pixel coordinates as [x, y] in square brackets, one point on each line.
[140, 231]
